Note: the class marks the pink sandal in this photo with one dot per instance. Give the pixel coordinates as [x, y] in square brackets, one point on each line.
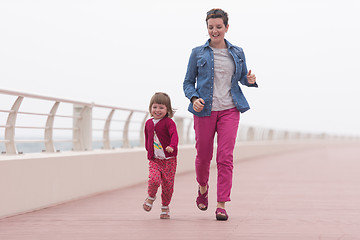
[202, 199]
[221, 214]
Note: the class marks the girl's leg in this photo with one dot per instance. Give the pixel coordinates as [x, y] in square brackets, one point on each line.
[153, 184]
[168, 178]
[228, 122]
[204, 135]
[154, 177]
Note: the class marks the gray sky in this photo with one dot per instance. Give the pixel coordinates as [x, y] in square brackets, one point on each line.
[304, 54]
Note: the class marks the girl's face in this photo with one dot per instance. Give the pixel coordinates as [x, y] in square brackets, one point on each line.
[158, 111]
[216, 30]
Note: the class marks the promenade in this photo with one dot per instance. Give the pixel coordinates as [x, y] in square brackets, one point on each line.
[298, 195]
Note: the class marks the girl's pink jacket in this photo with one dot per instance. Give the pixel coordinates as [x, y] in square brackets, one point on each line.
[166, 131]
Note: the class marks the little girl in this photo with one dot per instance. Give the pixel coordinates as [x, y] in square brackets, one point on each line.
[161, 140]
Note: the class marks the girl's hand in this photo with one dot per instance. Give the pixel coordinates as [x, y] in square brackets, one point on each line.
[198, 104]
[251, 78]
[169, 149]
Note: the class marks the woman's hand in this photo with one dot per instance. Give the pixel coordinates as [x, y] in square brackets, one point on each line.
[198, 104]
[169, 149]
[251, 78]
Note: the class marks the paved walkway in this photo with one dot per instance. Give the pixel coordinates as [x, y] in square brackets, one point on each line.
[312, 194]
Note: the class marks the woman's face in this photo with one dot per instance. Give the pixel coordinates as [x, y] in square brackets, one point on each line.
[216, 30]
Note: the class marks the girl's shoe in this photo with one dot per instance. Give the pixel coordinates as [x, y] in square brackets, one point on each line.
[148, 206]
[202, 199]
[221, 214]
[165, 212]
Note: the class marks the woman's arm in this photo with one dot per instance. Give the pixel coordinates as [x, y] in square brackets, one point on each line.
[190, 77]
[247, 78]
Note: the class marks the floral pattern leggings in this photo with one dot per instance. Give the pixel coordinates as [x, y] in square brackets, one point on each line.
[162, 173]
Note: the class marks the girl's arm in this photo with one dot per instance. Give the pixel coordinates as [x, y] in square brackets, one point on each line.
[174, 138]
[146, 135]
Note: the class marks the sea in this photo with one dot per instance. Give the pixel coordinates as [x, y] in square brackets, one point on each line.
[37, 147]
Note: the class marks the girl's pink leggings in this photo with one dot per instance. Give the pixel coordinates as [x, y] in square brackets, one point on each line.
[225, 124]
[162, 173]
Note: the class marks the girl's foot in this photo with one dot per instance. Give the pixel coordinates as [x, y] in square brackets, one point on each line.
[165, 212]
[148, 203]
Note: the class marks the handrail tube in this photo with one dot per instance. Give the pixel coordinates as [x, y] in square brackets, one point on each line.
[64, 140]
[30, 113]
[5, 111]
[30, 127]
[30, 140]
[64, 116]
[117, 108]
[20, 94]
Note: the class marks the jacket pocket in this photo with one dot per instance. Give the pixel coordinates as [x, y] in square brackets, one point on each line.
[239, 64]
[202, 66]
[201, 62]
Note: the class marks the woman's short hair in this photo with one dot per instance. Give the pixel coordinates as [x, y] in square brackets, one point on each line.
[217, 13]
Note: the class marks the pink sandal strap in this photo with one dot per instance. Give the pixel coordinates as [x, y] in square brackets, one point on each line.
[202, 199]
[221, 214]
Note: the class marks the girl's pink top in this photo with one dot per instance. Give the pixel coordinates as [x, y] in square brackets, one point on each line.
[166, 131]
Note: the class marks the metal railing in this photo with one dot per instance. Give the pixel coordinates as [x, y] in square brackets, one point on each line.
[82, 127]
[112, 127]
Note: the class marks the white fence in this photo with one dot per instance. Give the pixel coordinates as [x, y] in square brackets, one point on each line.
[56, 124]
[53, 123]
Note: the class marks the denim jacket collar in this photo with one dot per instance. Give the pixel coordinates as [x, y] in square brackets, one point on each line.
[228, 44]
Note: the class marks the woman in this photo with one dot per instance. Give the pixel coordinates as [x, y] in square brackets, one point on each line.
[216, 100]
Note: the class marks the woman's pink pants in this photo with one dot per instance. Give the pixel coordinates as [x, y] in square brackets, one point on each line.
[225, 123]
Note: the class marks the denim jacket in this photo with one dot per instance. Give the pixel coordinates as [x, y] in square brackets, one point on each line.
[199, 78]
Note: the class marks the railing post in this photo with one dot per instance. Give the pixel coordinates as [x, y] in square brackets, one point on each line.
[250, 136]
[49, 142]
[10, 145]
[180, 128]
[106, 134]
[82, 133]
[142, 129]
[126, 143]
[270, 135]
[188, 129]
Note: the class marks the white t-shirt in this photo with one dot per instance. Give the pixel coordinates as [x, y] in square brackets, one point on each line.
[158, 148]
[224, 69]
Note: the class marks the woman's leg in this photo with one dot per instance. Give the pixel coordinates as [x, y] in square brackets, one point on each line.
[204, 135]
[227, 126]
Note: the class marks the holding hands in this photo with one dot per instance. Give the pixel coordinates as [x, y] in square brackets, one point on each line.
[251, 77]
